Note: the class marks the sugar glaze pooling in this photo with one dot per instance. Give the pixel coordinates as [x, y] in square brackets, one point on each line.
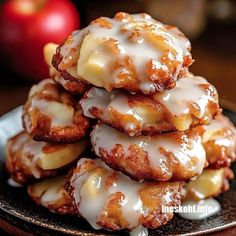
[210, 203]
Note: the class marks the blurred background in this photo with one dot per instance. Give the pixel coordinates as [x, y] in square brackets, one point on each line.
[210, 25]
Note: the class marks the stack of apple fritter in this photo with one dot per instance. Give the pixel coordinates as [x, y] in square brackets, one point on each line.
[158, 136]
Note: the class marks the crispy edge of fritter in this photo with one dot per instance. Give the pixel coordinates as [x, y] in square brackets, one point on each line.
[16, 167]
[137, 164]
[38, 125]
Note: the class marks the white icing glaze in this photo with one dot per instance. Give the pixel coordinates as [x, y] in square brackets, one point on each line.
[139, 231]
[28, 147]
[220, 130]
[214, 126]
[13, 183]
[91, 206]
[66, 48]
[94, 185]
[33, 148]
[187, 98]
[106, 137]
[60, 114]
[40, 86]
[107, 102]
[52, 194]
[141, 48]
[96, 98]
[59, 79]
[37, 156]
[188, 91]
[19, 141]
[210, 205]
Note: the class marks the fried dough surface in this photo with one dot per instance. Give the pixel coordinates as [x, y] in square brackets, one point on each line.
[173, 155]
[51, 194]
[108, 199]
[132, 52]
[64, 79]
[192, 102]
[53, 115]
[28, 160]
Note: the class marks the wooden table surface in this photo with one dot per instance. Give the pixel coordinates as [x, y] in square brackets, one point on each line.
[215, 58]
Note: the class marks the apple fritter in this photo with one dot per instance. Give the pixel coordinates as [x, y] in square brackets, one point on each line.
[219, 141]
[211, 183]
[108, 199]
[51, 194]
[68, 82]
[163, 157]
[192, 102]
[132, 52]
[28, 160]
[53, 115]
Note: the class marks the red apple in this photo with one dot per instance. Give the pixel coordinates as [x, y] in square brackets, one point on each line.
[26, 26]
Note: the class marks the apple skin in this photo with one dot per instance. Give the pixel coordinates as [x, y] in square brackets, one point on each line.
[26, 26]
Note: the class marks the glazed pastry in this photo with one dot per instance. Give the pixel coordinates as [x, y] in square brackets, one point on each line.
[158, 133]
[51, 194]
[28, 160]
[192, 102]
[132, 52]
[68, 82]
[163, 157]
[53, 115]
[219, 141]
[108, 199]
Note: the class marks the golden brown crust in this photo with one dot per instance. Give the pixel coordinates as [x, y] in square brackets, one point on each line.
[64, 79]
[162, 73]
[119, 120]
[151, 194]
[70, 84]
[39, 124]
[147, 115]
[161, 126]
[28, 160]
[134, 158]
[152, 198]
[17, 162]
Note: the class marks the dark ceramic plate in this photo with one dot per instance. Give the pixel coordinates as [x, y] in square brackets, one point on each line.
[18, 213]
